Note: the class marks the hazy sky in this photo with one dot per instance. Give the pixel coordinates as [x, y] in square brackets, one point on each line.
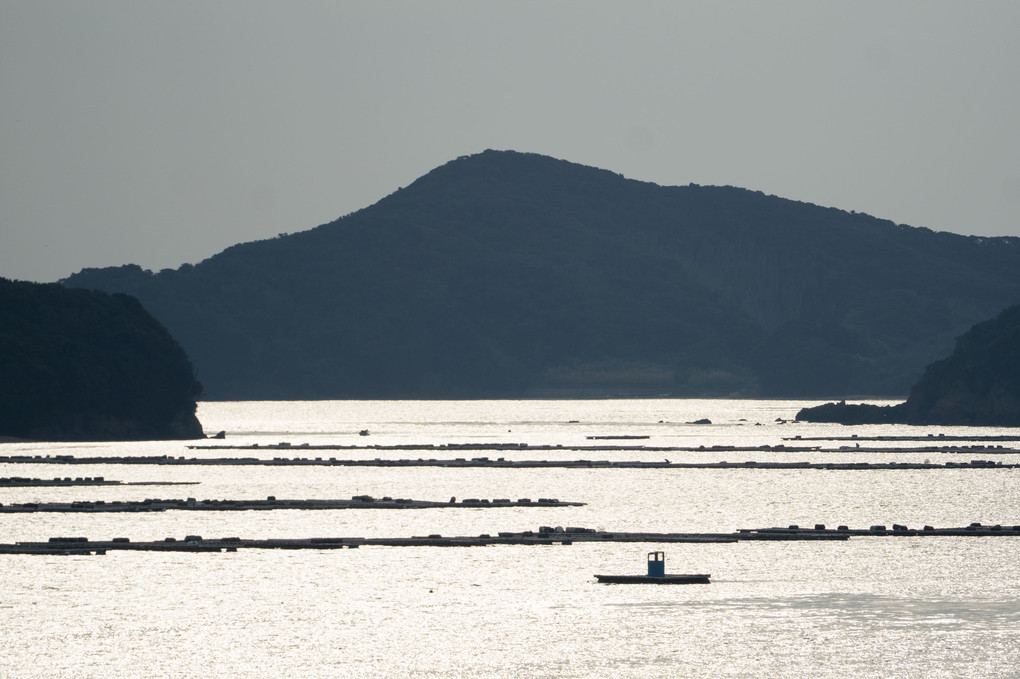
[158, 133]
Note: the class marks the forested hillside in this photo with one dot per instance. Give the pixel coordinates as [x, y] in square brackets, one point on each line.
[85, 365]
[978, 384]
[507, 274]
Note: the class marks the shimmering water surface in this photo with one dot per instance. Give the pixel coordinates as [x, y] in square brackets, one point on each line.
[871, 607]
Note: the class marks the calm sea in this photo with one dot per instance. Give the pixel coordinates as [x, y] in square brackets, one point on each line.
[868, 607]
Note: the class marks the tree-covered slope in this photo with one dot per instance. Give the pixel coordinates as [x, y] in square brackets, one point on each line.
[508, 274]
[86, 365]
[978, 384]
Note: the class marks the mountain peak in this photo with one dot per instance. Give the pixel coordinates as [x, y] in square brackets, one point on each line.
[505, 273]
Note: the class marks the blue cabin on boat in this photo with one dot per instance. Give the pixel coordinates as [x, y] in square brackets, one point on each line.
[656, 564]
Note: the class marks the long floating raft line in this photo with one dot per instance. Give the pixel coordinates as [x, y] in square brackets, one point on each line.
[502, 463]
[271, 503]
[927, 437]
[544, 536]
[504, 447]
[896, 530]
[21, 482]
[511, 447]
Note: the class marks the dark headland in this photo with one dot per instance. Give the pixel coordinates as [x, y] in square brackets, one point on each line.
[506, 274]
[78, 365]
[978, 384]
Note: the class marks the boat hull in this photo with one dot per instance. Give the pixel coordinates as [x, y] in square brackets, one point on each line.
[678, 579]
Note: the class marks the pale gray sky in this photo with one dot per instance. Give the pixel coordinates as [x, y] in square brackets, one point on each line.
[159, 133]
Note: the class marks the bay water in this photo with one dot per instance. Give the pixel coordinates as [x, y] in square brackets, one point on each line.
[869, 606]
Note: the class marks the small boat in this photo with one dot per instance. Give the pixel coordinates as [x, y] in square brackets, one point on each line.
[672, 579]
[656, 575]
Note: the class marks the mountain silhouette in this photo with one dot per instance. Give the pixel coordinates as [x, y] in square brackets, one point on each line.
[507, 274]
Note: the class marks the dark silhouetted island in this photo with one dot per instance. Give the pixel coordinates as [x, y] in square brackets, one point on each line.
[79, 365]
[506, 274]
[978, 384]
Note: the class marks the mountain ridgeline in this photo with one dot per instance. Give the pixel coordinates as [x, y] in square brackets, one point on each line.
[85, 365]
[506, 274]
